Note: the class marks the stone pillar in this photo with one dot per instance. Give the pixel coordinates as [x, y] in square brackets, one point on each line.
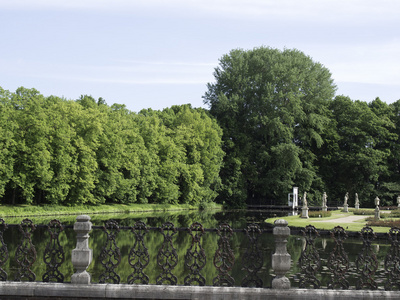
[281, 258]
[304, 212]
[82, 256]
[377, 212]
[357, 202]
[324, 202]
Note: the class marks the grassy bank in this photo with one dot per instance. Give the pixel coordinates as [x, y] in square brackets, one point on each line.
[328, 223]
[57, 210]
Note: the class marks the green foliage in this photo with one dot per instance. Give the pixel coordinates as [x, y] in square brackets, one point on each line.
[383, 223]
[319, 214]
[394, 214]
[354, 158]
[272, 107]
[55, 151]
[274, 123]
[361, 212]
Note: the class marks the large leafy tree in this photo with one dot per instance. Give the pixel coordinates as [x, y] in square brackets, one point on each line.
[272, 106]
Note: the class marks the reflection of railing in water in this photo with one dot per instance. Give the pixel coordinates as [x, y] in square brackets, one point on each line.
[195, 258]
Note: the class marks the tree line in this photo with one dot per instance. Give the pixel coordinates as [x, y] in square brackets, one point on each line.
[59, 151]
[283, 127]
[273, 122]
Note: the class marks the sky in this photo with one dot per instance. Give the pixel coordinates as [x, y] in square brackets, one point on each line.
[159, 53]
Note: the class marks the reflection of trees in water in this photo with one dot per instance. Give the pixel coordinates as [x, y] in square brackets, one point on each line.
[325, 245]
[182, 242]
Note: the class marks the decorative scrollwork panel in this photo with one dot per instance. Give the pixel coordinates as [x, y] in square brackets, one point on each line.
[309, 261]
[139, 255]
[224, 258]
[3, 250]
[366, 262]
[54, 254]
[195, 258]
[167, 258]
[338, 262]
[392, 261]
[25, 255]
[110, 256]
[253, 257]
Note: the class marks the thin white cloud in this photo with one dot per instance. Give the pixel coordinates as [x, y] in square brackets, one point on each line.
[283, 9]
[368, 62]
[168, 63]
[138, 73]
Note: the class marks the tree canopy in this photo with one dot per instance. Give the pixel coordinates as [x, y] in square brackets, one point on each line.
[272, 106]
[274, 122]
[66, 152]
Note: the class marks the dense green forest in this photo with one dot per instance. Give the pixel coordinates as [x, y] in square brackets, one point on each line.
[58, 151]
[284, 127]
[273, 122]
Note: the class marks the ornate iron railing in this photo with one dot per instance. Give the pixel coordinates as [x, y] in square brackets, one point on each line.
[195, 258]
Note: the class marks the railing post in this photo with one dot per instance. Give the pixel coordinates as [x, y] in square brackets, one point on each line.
[281, 258]
[82, 256]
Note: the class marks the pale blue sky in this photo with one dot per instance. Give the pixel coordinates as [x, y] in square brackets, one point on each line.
[158, 53]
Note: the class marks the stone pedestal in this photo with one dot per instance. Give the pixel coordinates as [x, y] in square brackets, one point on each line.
[304, 212]
[357, 206]
[82, 256]
[281, 258]
[325, 208]
[346, 208]
[377, 214]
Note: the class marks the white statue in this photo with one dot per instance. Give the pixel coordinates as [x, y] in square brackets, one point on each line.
[377, 201]
[324, 202]
[305, 199]
[346, 198]
[357, 202]
[398, 201]
[304, 209]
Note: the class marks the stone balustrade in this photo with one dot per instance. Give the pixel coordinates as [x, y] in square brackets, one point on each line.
[81, 285]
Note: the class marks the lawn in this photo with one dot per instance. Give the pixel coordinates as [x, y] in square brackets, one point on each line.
[336, 219]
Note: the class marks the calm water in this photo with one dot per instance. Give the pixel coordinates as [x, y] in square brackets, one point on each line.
[182, 242]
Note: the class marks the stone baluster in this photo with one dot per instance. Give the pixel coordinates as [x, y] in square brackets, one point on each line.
[281, 258]
[82, 255]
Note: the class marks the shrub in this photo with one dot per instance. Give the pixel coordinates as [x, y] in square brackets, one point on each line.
[395, 214]
[366, 212]
[319, 214]
[383, 223]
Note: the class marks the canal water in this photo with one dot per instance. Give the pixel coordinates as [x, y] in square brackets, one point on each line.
[153, 241]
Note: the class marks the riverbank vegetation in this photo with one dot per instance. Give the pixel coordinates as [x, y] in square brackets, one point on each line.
[24, 210]
[273, 122]
[61, 152]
